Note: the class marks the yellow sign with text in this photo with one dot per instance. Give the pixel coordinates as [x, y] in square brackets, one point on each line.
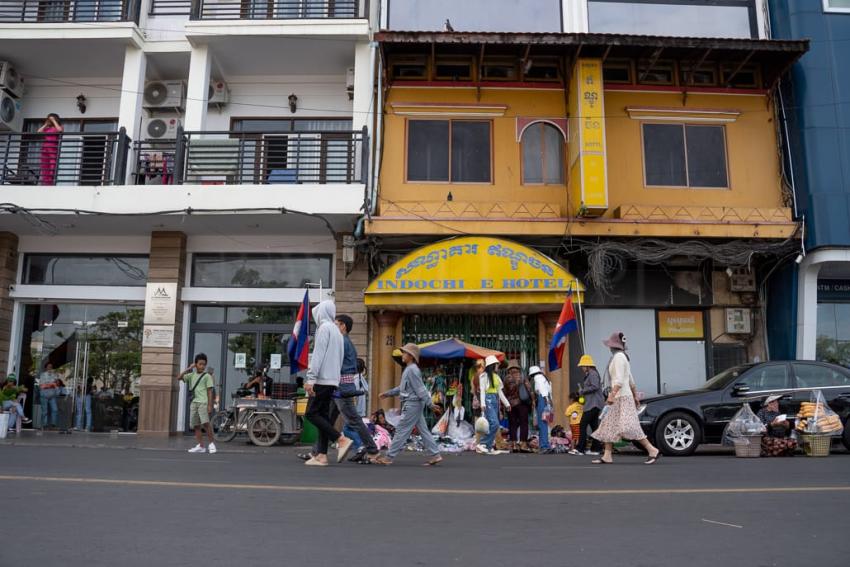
[473, 269]
[680, 325]
[588, 168]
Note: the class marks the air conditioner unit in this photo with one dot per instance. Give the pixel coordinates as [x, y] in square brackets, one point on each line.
[10, 81]
[164, 94]
[11, 113]
[161, 128]
[218, 93]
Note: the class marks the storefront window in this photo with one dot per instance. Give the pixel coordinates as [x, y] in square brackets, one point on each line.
[95, 351]
[72, 269]
[833, 335]
[260, 270]
[690, 18]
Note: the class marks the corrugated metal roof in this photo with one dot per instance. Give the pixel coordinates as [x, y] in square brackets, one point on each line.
[591, 39]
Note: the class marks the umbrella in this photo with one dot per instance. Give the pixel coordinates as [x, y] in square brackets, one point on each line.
[451, 349]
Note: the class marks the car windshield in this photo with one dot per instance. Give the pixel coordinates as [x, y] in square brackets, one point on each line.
[721, 380]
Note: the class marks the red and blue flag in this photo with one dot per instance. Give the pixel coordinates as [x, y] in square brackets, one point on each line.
[567, 323]
[299, 345]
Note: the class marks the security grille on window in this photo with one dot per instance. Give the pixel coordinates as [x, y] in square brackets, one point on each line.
[684, 155]
[542, 154]
[456, 151]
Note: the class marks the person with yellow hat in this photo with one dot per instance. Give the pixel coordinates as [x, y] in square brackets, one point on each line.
[594, 401]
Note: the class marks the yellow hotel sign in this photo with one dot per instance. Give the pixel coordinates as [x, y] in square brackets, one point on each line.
[680, 325]
[472, 270]
[588, 179]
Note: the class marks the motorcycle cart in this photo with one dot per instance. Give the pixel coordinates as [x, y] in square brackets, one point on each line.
[266, 421]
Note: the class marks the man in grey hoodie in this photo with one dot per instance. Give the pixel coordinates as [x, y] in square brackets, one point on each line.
[323, 380]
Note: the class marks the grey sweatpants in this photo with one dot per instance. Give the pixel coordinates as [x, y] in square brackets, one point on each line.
[412, 416]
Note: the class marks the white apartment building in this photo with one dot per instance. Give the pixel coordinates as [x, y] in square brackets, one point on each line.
[212, 155]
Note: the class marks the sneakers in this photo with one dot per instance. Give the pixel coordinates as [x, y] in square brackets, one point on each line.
[26, 420]
[343, 447]
[482, 450]
[592, 453]
[499, 452]
[198, 449]
[212, 448]
[575, 452]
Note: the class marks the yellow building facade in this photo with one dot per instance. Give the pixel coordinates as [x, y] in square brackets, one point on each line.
[644, 167]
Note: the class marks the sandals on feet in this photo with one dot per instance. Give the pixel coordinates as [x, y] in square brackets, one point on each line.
[601, 461]
[653, 460]
[379, 460]
[434, 461]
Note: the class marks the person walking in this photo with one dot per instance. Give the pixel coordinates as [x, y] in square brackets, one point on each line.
[348, 392]
[200, 385]
[543, 406]
[414, 399]
[518, 390]
[594, 401]
[621, 420]
[322, 381]
[491, 393]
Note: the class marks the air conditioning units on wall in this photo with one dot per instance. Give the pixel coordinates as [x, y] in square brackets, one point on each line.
[164, 94]
[11, 113]
[218, 93]
[164, 128]
[10, 80]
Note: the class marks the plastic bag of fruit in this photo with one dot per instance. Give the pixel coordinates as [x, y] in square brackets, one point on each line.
[744, 425]
[816, 417]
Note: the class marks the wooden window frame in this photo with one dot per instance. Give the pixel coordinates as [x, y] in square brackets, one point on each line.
[410, 60]
[462, 60]
[685, 70]
[684, 126]
[450, 121]
[500, 61]
[547, 62]
[727, 68]
[666, 63]
[622, 63]
[523, 182]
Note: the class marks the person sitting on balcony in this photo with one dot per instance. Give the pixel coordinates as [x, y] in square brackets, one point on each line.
[52, 127]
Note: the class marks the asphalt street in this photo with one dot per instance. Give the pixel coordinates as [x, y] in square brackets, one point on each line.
[70, 506]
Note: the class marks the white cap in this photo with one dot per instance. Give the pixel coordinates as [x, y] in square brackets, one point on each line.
[534, 370]
[492, 359]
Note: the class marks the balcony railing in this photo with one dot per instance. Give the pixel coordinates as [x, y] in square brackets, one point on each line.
[170, 7]
[257, 158]
[276, 9]
[47, 11]
[63, 159]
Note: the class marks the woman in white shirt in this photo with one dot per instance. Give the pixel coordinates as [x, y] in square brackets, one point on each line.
[543, 403]
[621, 420]
[491, 393]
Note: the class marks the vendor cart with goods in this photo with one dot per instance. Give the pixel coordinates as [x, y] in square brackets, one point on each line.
[817, 425]
[266, 421]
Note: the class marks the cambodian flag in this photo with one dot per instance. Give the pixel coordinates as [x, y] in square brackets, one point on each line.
[567, 323]
[299, 345]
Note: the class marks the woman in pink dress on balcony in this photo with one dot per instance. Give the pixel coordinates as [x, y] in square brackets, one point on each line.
[52, 127]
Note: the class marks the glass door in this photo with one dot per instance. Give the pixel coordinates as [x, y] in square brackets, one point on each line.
[241, 360]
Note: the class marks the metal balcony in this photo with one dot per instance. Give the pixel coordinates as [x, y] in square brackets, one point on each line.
[79, 11]
[254, 158]
[68, 158]
[274, 9]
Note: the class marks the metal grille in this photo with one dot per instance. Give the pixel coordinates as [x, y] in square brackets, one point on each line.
[515, 335]
[276, 9]
[27, 11]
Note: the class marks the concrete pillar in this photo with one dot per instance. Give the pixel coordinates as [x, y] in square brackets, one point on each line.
[8, 274]
[363, 86]
[350, 282]
[160, 365]
[386, 373]
[560, 379]
[132, 89]
[575, 17]
[198, 90]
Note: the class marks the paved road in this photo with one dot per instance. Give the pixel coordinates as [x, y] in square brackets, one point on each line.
[100, 507]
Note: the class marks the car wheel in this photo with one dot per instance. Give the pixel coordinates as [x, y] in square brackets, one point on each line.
[678, 434]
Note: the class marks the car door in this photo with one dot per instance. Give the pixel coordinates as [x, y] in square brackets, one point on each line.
[753, 387]
[832, 381]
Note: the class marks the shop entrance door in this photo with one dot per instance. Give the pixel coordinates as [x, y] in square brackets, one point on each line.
[238, 339]
[94, 352]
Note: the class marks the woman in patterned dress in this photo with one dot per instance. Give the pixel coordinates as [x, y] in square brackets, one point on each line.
[621, 420]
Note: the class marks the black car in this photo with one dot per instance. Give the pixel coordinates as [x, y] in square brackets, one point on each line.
[678, 423]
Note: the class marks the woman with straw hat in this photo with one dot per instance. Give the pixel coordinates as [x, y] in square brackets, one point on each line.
[491, 393]
[591, 389]
[621, 421]
[414, 399]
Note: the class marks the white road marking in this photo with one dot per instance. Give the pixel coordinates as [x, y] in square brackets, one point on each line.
[722, 524]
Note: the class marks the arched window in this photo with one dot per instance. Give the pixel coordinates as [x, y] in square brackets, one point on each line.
[542, 154]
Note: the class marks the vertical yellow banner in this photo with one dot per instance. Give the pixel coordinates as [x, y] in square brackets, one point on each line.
[588, 163]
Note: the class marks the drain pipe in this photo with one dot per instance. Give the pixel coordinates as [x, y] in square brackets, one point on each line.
[378, 136]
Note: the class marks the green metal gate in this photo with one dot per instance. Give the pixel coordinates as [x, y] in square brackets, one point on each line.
[515, 335]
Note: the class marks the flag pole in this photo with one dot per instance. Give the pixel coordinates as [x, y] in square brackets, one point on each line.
[580, 318]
